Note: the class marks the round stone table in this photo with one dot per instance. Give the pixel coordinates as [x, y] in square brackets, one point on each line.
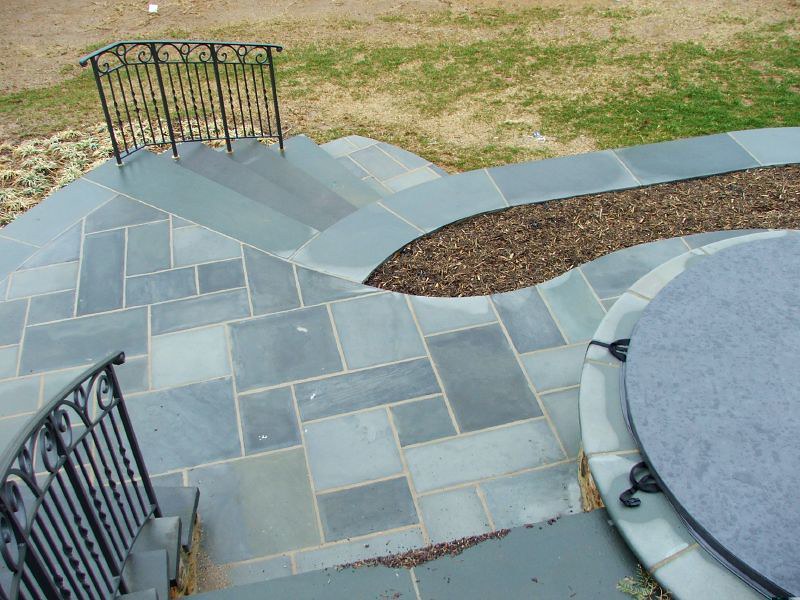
[712, 392]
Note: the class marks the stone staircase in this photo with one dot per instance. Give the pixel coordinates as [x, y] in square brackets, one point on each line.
[157, 561]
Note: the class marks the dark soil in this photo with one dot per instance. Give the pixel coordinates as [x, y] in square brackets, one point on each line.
[525, 245]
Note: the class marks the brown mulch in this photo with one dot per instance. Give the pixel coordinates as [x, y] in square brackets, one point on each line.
[412, 558]
[525, 245]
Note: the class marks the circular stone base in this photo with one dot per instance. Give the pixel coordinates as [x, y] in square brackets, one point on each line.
[712, 385]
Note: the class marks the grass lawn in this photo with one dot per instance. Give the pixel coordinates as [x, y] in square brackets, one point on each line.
[468, 88]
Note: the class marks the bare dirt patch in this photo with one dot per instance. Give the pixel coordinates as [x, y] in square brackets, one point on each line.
[525, 245]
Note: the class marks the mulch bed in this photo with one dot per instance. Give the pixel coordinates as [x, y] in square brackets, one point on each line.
[525, 245]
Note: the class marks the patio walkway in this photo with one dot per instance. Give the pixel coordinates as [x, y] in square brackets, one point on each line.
[325, 421]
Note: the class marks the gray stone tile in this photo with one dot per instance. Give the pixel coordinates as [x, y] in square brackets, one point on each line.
[442, 314]
[148, 248]
[351, 166]
[537, 562]
[259, 570]
[683, 159]
[58, 211]
[160, 287]
[317, 287]
[354, 246]
[168, 480]
[422, 421]
[9, 428]
[51, 307]
[188, 356]
[65, 248]
[339, 147]
[201, 310]
[192, 245]
[255, 507]
[366, 509]
[268, 420]
[603, 428]
[453, 515]
[376, 329]
[102, 272]
[701, 239]
[408, 159]
[609, 302]
[379, 164]
[534, 497]
[360, 141]
[696, 574]
[527, 320]
[43, 280]
[54, 382]
[80, 341]
[12, 317]
[411, 179]
[771, 146]
[19, 396]
[223, 275]
[563, 177]
[345, 553]
[272, 284]
[573, 304]
[122, 212]
[365, 389]
[186, 426]
[351, 449]
[482, 379]
[13, 254]
[447, 199]
[486, 454]
[133, 375]
[612, 274]
[177, 222]
[284, 347]
[331, 584]
[376, 185]
[3, 288]
[555, 368]
[8, 361]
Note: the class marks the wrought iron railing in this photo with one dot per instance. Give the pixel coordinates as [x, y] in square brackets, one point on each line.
[74, 494]
[162, 92]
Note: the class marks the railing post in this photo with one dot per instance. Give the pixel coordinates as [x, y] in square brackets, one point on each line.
[106, 114]
[275, 98]
[215, 62]
[157, 62]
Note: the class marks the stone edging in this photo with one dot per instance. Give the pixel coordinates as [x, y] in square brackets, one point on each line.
[654, 531]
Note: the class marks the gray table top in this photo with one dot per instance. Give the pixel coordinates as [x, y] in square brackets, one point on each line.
[712, 384]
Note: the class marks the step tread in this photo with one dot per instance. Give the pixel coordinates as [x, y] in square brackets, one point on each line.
[221, 168]
[269, 165]
[179, 501]
[581, 556]
[305, 154]
[163, 533]
[145, 571]
[168, 186]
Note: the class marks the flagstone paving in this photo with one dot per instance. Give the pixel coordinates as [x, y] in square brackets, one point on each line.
[321, 419]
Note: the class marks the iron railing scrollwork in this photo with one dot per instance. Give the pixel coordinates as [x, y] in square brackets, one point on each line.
[74, 494]
[164, 92]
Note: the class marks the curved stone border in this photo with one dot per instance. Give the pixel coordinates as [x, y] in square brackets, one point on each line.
[654, 531]
[359, 243]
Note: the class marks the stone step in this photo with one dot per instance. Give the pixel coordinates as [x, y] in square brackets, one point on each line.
[579, 556]
[303, 153]
[269, 165]
[162, 534]
[170, 187]
[220, 167]
[145, 571]
[180, 502]
[150, 594]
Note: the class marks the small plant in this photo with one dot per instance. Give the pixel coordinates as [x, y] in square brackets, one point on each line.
[36, 167]
[642, 586]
